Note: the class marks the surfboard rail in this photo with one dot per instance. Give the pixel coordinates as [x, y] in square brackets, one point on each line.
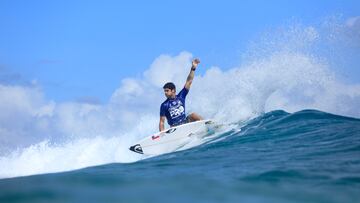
[170, 139]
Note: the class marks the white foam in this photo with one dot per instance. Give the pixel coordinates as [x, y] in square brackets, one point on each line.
[53, 137]
[45, 157]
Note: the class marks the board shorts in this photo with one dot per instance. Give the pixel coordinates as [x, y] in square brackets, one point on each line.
[186, 120]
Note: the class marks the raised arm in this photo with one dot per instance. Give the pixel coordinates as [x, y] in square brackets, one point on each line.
[190, 77]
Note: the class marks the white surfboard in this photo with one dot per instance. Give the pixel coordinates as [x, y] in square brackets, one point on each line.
[171, 139]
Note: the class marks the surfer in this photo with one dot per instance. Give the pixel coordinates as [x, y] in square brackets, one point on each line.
[173, 108]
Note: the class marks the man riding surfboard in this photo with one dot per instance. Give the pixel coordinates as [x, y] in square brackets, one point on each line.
[173, 108]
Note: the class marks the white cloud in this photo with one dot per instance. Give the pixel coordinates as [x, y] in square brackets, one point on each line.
[285, 79]
[353, 21]
[21, 108]
[289, 81]
[166, 68]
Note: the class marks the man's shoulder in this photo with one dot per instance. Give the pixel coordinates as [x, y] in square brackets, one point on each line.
[164, 102]
[183, 92]
[184, 89]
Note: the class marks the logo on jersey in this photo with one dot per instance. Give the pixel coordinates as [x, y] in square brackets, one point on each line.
[176, 109]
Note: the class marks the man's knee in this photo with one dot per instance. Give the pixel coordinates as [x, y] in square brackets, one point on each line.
[194, 117]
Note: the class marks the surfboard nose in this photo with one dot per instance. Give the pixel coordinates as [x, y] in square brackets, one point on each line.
[136, 148]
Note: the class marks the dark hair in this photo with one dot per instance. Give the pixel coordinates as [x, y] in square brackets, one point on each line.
[170, 86]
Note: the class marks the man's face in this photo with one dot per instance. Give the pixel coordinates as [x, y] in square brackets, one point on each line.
[169, 93]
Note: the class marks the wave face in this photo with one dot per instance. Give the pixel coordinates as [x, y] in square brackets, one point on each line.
[306, 156]
[292, 68]
[301, 156]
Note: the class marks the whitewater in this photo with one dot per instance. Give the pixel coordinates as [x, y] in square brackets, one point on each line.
[288, 72]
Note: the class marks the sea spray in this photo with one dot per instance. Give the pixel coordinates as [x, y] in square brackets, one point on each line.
[41, 136]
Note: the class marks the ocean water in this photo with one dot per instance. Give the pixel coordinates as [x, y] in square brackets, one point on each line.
[271, 149]
[306, 156]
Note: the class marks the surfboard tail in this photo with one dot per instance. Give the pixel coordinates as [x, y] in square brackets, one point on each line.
[136, 148]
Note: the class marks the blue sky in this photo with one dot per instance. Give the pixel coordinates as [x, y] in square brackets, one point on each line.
[82, 49]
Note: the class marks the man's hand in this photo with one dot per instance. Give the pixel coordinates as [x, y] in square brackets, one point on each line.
[195, 63]
[190, 77]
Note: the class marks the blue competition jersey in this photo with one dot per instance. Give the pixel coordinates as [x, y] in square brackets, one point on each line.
[174, 109]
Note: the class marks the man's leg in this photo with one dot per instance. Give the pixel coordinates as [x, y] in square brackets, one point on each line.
[194, 117]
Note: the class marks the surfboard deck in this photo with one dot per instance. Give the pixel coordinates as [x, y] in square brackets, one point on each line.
[171, 139]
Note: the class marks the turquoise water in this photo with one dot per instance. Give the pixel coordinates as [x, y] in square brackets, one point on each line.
[307, 156]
